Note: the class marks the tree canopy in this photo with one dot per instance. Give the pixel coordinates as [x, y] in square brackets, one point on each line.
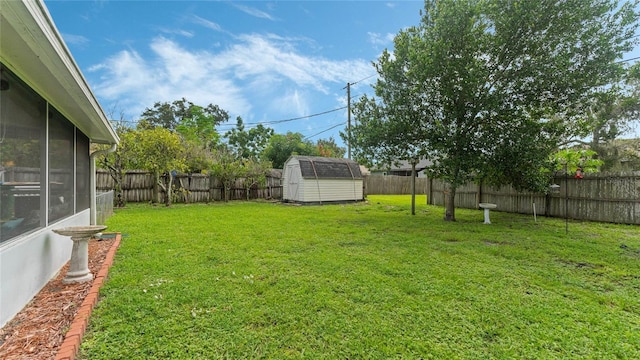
[195, 123]
[159, 151]
[281, 147]
[329, 148]
[248, 143]
[488, 89]
[613, 112]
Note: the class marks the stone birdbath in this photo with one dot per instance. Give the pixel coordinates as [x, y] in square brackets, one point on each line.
[487, 207]
[79, 264]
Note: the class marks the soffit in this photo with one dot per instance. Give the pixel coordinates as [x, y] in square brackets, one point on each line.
[31, 46]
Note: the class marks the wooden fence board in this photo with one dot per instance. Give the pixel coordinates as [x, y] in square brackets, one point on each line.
[392, 184]
[137, 186]
[597, 197]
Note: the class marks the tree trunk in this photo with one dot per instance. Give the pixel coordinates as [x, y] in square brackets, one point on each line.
[155, 199]
[450, 206]
[169, 183]
[226, 185]
[211, 189]
[186, 191]
[117, 173]
[413, 187]
[118, 192]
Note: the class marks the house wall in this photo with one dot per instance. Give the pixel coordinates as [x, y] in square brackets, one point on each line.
[420, 174]
[49, 117]
[44, 161]
[28, 263]
[331, 190]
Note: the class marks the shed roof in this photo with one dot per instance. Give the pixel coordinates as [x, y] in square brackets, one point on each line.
[316, 167]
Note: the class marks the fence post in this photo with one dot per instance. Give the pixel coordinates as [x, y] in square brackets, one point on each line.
[211, 188]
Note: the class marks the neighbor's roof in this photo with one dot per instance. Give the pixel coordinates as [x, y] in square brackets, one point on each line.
[316, 167]
[405, 165]
[31, 46]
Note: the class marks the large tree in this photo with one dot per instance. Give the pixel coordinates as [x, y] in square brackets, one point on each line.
[613, 112]
[248, 144]
[329, 148]
[199, 126]
[486, 88]
[228, 168]
[282, 146]
[193, 122]
[118, 161]
[159, 151]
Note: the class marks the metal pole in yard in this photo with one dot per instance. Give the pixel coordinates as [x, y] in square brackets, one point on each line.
[566, 199]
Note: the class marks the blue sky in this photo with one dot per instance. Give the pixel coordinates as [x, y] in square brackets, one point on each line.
[262, 60]
[265, 61]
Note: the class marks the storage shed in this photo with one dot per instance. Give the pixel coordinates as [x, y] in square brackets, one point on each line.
[318, 180]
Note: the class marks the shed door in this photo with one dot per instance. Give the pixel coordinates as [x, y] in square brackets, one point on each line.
[293, 180]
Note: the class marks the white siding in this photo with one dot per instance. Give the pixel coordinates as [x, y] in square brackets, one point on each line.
[28, 263]
[301, 187]
[331, 190]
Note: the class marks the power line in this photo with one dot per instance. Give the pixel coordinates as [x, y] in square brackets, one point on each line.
[271, 122]
[291, 119]
[300, 117]
[325, 130]
[363, 79]
[359, 95]
[625, 60]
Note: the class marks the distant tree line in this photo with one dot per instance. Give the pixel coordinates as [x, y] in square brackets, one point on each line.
[181, 136]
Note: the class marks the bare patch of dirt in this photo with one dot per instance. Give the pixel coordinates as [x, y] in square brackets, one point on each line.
[495, 243]
[579, 265]
[38, 330]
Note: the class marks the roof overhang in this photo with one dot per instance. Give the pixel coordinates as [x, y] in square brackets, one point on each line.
[32, 47]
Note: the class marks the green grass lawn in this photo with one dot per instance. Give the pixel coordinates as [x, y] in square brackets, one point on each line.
[364, 281]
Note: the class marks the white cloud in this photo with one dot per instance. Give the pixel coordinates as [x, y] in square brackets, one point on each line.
[256, 69]
[136, 83]
[254, 12]
[75, 39]
[258, 54]
[206, 23]
[180, 32]
[292, 102]
[381, 39]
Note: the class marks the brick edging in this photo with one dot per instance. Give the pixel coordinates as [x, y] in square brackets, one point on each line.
[71, 344]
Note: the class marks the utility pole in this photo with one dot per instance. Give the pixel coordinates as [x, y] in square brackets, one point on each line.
[349, 120]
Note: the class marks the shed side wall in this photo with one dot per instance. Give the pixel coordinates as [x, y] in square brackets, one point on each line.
[331, 190]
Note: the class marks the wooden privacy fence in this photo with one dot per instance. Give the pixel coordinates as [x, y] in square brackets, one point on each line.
[596, 197]
[137, 186]
[393, 185]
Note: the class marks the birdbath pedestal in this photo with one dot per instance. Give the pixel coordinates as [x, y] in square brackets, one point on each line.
[79, 264]
[487, 207]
